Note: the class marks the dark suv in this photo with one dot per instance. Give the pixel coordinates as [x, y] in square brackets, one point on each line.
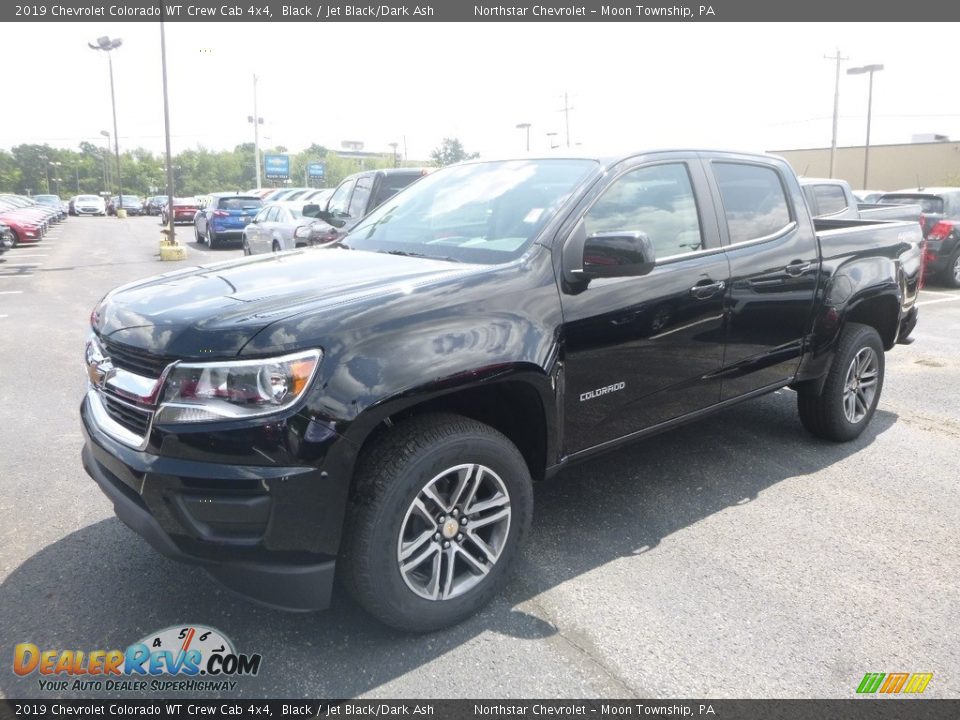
[941, 228]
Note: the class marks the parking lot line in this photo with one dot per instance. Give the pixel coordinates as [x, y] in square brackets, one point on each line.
[11, 277]
[954, 298]
[11, 292]
[30, 265]
[938, 292]
[31, 255]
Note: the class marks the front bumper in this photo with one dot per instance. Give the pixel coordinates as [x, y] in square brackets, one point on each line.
[256, 529]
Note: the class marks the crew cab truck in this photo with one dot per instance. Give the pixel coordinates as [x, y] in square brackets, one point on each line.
[380, 409]
[833, 198]
[940, 222]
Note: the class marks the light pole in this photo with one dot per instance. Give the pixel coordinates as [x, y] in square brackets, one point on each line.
[56, 166]
[46, 170]
[525, 126]
[107, 45]
[550, 137]
[395, 145]
[257, 121]
[866, 148]
[106, 168]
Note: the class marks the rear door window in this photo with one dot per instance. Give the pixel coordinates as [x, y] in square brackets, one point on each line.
[239, 203]
[754, 200]
[830, 199]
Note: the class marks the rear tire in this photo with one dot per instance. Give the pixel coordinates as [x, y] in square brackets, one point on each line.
[951, 276]
[441, 504]
[16, 238]
[276, 246]
[845, 405]
[212, 240]
[246, 247]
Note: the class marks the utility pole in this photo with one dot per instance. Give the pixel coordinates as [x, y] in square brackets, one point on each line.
[566, 112]
[836, 111]
[257, 122]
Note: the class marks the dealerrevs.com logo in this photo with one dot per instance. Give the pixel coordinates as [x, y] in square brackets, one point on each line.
[198, 658]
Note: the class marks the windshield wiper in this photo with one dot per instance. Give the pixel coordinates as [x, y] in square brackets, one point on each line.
[407, 253]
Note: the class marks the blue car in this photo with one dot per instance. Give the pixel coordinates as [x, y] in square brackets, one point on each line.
[225, 217]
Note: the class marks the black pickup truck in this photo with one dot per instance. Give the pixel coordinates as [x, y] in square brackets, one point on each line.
[382, 407]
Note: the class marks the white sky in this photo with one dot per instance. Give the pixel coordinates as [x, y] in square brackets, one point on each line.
[744, 86]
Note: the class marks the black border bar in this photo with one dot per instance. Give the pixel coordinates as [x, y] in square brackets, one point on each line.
[898, 708]
[323, 11]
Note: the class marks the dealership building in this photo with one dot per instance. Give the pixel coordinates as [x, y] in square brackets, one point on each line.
[929, 161]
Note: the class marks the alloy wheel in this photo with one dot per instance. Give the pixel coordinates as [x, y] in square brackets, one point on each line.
[454, 532]
[860, 385]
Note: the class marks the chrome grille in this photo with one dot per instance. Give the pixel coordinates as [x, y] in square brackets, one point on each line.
[133, 419]
[136, 360]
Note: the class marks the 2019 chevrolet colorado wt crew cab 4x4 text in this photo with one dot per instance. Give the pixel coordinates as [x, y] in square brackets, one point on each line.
[382, 407]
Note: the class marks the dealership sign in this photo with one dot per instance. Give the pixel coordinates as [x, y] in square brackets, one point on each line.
[276, 166]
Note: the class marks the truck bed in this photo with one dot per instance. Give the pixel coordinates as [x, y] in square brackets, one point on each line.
[894, 239]
[888, 211]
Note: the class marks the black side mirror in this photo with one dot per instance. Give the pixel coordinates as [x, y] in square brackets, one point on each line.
[314, 211]
[616, 254]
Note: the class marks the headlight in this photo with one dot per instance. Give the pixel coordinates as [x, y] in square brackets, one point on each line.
[200, 392]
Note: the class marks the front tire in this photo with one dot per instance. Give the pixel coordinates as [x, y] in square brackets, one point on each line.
[845, 405]
[441, 505]
[246, 247]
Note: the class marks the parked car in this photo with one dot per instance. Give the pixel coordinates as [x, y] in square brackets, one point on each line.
[225, 217]
[277, 227]
[380, 408]
[941, 228]
[154, 205]
[131, 203]
[21, 226]
[28, 209]
[184, 211]
[89, 205]
[282, 194]
[6, 238]
[52, 201]
[834, 199]
[355, 197]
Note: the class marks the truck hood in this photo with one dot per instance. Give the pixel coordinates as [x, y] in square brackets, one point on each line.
[214, 310]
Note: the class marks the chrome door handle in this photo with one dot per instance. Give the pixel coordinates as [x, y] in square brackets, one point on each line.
[797, 268]
[705, 292]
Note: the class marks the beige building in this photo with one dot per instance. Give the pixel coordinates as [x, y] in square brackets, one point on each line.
[892, 167]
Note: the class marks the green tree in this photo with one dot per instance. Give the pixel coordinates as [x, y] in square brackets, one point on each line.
[450, 151]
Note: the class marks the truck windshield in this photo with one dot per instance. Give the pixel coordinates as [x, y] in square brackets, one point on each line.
[485, 212]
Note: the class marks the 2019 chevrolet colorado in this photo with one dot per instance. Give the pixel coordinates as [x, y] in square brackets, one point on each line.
[380, 408]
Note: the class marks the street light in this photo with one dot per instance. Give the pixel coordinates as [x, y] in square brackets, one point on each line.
[107, 45]
[57, 165]
[106, 154]
[866, 148]
[256, 121]
[525, 126]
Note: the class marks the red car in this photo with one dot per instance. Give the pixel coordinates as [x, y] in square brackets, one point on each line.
[184, 210]
[24, 230]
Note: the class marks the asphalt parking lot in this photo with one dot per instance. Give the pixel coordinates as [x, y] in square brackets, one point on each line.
[736, 557]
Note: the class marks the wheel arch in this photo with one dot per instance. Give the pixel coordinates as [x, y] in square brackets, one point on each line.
[520, 405]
